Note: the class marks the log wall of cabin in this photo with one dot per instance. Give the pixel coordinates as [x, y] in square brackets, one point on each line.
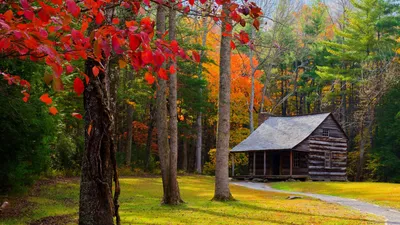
[319, 146]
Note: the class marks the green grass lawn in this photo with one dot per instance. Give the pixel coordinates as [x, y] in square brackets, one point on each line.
[385, 194]
[140, 204]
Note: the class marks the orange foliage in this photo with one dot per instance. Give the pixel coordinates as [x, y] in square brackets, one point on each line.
[240, 83]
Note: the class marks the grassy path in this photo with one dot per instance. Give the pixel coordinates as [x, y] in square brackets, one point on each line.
[384, 194]
[140, 204]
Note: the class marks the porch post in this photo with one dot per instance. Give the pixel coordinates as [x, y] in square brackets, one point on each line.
[291, 162]
[254, 163]
[265, 163]
[233, 164]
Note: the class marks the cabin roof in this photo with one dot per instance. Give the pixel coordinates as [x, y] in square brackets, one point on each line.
[279, 133]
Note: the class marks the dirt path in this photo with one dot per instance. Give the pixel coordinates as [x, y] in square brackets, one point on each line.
[392, 216]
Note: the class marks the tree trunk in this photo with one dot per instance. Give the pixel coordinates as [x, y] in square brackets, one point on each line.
[185, 155]
[173, 119]
[343, 106]
[199, 142]
[252, 73]
[170, 186]
[222, 191]
[149, 137]
[199, 124]
[96, 204]
[128, 150]
[360, 165]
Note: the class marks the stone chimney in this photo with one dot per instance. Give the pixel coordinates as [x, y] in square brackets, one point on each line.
[263, 117]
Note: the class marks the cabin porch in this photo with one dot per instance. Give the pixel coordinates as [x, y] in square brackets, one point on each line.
[274, 165]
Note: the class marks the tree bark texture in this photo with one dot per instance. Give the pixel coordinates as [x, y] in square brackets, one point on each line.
[199, 119]
[170, 187]
[252, 73]
[222, 191]
[128, 150]
[185, 155]
[96, 205]
[149, 136]
[175, 197]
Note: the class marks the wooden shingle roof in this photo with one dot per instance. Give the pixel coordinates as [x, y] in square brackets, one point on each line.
[279, 133]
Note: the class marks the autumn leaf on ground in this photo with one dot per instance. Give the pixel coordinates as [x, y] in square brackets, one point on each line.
[46, 99]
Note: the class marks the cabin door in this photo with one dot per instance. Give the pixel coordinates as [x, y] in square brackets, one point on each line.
[276, 163]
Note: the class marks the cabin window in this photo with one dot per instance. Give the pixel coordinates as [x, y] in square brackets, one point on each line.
[325, 132]
[328, 159]
[296, 160]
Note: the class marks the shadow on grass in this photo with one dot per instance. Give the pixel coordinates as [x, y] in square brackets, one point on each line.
[187, 207]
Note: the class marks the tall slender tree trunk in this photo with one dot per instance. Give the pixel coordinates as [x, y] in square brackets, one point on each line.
[128, 150]
[222, 191]
[170, 186]
[185, 155]
[199, 141]
[173, 119]
[362, 150]
[199, 119]
[96, 203]
[343, 105]
[149, 137]
[252, 73]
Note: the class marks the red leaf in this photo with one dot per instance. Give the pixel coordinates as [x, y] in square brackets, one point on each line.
[228, 27]
[172, 69]
[203, 1]
[69, 69]
[159, 58]
[233, 46]
[162, 73]
[53, 110]
[77, 115]
[244, 37]
[147, 57]
[95, 71]
[115, 21]
[8, 15]
[256, 24]
[174, 46]
[116, 45]
[186, 10]
[134, 42]
[99, 18]
[149, 78]
[43, 16]
[196, 56]
[191, 2]
[29, 14]
[78, 86]
[73, 8]
[26, 97]
[46, 99]
[146, 2]
[86, 78]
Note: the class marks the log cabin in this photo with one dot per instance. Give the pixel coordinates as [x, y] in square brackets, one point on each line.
[312, 147]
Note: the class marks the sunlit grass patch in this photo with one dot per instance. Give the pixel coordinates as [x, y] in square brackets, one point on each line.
[140, 204]
[385, 194]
